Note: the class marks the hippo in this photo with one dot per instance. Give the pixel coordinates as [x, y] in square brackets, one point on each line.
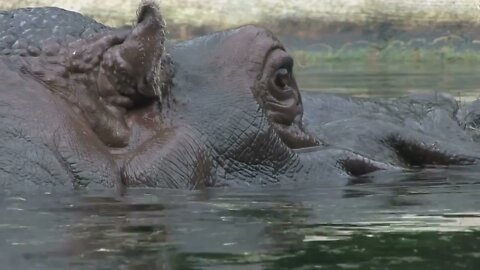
[91, 106]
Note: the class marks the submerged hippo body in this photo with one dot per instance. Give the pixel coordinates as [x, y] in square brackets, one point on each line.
[115, 108]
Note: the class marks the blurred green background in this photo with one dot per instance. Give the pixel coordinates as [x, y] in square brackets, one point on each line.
[317, 30]
[223, 13]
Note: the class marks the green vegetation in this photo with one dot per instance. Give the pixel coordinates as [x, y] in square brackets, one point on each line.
[395, 52]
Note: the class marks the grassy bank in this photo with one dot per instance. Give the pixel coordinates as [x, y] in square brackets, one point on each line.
[221, 13]
[310, 58]
[389, 52]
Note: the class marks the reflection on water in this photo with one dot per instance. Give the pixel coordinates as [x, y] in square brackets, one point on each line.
[461, 80]
[424, 220]
[423, 225]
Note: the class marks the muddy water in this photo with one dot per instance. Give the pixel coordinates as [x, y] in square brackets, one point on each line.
[424, 220]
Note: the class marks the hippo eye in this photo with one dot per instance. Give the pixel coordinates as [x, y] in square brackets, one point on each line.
[282, 77]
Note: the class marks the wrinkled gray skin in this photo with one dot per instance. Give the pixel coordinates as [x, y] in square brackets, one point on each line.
[25, 31]
[90, 106]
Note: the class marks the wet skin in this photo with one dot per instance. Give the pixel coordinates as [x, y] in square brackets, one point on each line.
[116, 108]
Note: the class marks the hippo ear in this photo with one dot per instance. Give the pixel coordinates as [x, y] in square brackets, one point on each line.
[130, 68]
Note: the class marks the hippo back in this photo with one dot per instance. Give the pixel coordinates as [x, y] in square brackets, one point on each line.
[26, 31]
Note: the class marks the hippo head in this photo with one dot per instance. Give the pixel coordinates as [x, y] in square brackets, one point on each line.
[242, 68]
[221, 106]
[235, 114]
[246, 67]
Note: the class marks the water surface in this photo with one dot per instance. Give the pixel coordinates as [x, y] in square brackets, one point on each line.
[382, 79]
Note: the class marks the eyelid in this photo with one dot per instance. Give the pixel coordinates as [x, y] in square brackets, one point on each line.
[286, 63]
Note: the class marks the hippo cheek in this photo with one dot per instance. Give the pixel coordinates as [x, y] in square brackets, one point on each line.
[282, 112]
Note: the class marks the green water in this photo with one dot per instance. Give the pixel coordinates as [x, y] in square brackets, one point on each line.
[381, 79]
[424, 220]
[411, 225]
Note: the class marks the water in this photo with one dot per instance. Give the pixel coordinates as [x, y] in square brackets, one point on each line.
[377, 79]
[427, 220]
